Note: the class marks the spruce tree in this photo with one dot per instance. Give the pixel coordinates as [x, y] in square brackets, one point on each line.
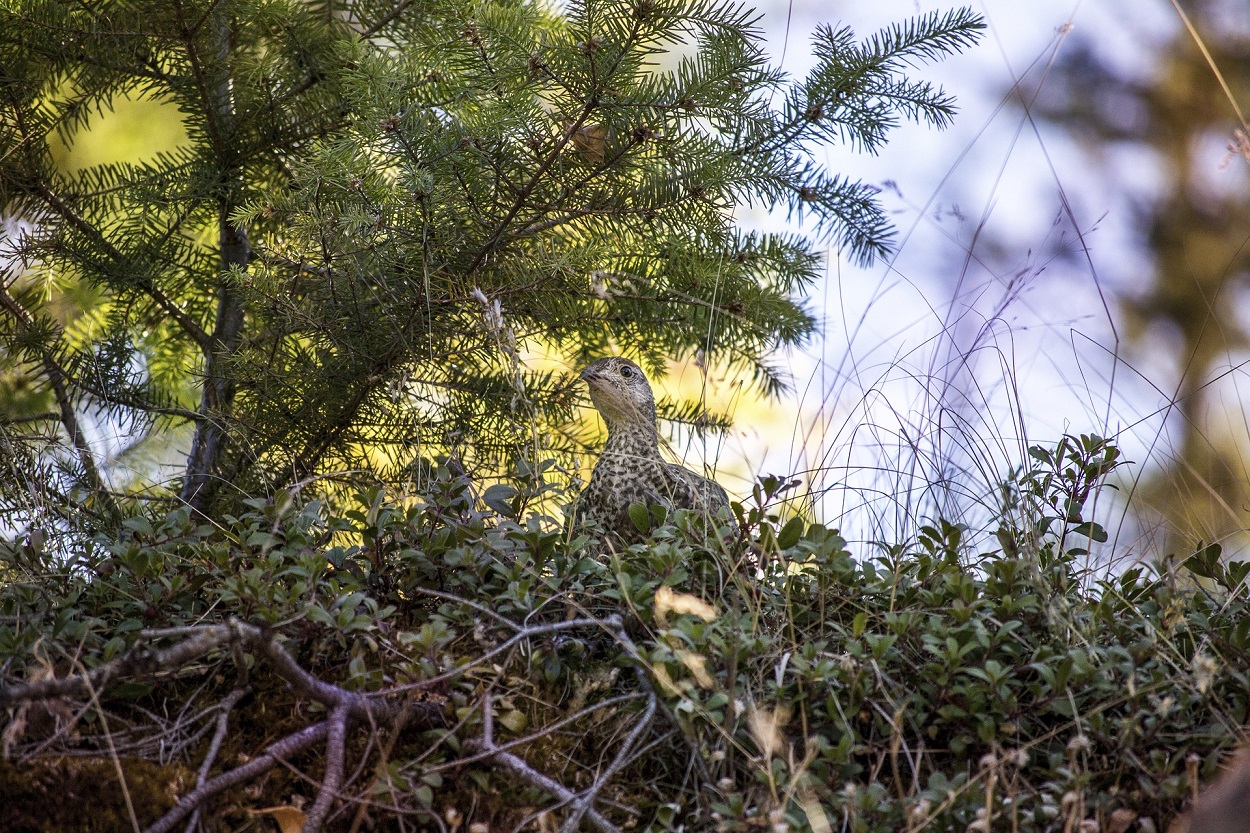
[381, 206]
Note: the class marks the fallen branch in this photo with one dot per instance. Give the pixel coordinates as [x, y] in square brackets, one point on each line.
[140, 662]
[334, 770]
[514, 765]
[202, 639]
[275, 753]
[582, 806]
[388, 709]
[210, 757]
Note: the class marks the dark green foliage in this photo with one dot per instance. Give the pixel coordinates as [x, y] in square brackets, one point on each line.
[380, 209]
[902, 690]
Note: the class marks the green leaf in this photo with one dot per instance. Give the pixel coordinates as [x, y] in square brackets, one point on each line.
[139, 524]
[1091, 530]
[880, 644]
[1205, 561]
[790, 533]
[514, 721]
[639, 514]
[1237, 572]
[499, 497]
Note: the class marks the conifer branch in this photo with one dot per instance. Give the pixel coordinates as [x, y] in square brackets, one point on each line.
[523, 194]
[46, 416]
[104, 395]
[538, 175]
[209, 92]
[61, 208]
[56, 378]
[144, 283]
[381, 23]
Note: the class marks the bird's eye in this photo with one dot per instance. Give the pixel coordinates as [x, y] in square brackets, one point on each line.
[627, 371]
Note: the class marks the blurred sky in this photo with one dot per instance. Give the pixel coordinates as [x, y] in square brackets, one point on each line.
[942, 363]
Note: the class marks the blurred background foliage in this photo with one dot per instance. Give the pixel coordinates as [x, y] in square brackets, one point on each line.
[1167, 135]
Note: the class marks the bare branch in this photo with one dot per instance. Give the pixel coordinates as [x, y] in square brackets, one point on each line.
[583, 805]
[334, 770]
[139, 662]
[533, 736]
[531, 631]
[219, 735]
[276, 752]
[200, 640]
[519, 768]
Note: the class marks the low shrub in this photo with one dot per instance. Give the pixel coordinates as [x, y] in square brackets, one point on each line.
[456, 657]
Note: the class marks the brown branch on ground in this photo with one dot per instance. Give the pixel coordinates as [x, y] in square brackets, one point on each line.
[138, 663]
[334, 771]
[276, 752]
[582, 806]
[518, 767]
[387, 710]
[210, 757]
[143, 662]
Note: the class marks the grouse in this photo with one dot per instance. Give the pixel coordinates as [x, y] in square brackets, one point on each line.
[630, 470]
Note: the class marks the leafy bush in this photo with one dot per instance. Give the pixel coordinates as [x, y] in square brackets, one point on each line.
[773, 681]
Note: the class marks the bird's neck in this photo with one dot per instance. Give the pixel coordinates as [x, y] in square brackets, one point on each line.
[632, 440]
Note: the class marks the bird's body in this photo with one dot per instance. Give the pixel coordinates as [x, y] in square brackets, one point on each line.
[631, 470]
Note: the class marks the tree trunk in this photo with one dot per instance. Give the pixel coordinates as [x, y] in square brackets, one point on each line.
[217, 398]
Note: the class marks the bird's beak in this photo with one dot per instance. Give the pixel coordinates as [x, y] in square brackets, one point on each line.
[589, 375]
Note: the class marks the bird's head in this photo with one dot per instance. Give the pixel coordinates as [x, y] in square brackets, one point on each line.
[621, 393]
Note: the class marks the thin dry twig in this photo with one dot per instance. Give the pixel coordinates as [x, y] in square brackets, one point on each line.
[534, 736]
[516, 766]
[281, 750]
[582, 806]
[210, 757]
[140, 662]
[522, 634]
